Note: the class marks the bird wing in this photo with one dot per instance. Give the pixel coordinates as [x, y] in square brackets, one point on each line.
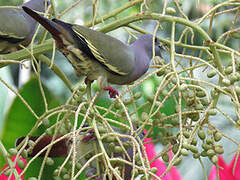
[108, 51]
[13, 25]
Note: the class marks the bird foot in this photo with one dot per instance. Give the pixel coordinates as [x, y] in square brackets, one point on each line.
[93, 177]
[87, 80]
[89, 136]
[112, 91]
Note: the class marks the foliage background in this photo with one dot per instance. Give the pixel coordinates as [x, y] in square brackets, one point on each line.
[17, 121]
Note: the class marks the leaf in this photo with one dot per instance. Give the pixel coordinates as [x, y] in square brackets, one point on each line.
[19, 120]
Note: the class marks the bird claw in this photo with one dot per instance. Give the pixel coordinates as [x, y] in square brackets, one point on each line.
[94, 177]
[87, 80]
[112, 91]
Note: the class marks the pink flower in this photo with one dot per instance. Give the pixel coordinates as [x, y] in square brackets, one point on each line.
[4, 177]
[173, 174]
[226, 171]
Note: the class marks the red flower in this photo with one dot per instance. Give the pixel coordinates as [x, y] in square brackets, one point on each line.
[4, 177]
[226, 171]
[173, 174]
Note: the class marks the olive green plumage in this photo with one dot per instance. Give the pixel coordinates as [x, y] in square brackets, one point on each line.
[99, 56]
[16, 27]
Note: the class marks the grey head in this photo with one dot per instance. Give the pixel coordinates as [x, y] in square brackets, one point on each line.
[37, 5]
[146, 42]
[143, 52]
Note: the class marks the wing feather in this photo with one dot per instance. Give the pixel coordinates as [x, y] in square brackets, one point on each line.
[110, 60]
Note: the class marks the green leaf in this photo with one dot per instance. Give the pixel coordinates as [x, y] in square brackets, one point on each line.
[19, 119]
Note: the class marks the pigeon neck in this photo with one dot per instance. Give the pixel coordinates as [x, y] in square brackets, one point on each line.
[145, 47]
[143, 56]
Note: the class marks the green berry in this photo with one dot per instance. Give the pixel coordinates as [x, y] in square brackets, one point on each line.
[184, 152]
[64, 171]
[204, 153]
[135, 172]
[237, 89]
[170, 10]
[45, 122]
[219, 150]
[137, 95]
[217, 136]
[210, 152]
[177, 108]
[182, 87]
[228, 70]
[110, 139]
[78, 166]
[20, 164]
[13, 151]
[48, 132]
[226, 82]
[111, 147]
[127, 144]
[211, 74]
[177, 162]
[144, 116]
[186, 146]
[66, 176]
[137, 157]
[209, 141]
[194, 141]
[32, 178]
[175, 148]
[154, 170]
[24, 154]
[233, 78]
[102, 129]
[196, 155]
[165, 157]
[117, 105]
[200, 94]
[212, 112]
[31, 143]
[194, 149]
[165, 92]
[199, 107]
[150, 98]
[201, 134]
[206, 146]
[186, 134]
[49, 161]
[214, 159]
[191, 94]
[82, 88]
[204, 102]
[161, 72]
[127, 101]
[56, 172]
[209, 132]
[118, 149]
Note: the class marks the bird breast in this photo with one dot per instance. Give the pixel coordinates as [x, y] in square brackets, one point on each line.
[82, 64]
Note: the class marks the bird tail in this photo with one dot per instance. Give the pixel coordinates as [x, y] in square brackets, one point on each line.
[51, 26]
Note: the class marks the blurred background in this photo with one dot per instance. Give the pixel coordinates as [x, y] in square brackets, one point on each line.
[19, 78]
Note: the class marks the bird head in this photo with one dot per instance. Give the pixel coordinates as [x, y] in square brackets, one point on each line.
[147, 41]
[37, 5]
[158, 47]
